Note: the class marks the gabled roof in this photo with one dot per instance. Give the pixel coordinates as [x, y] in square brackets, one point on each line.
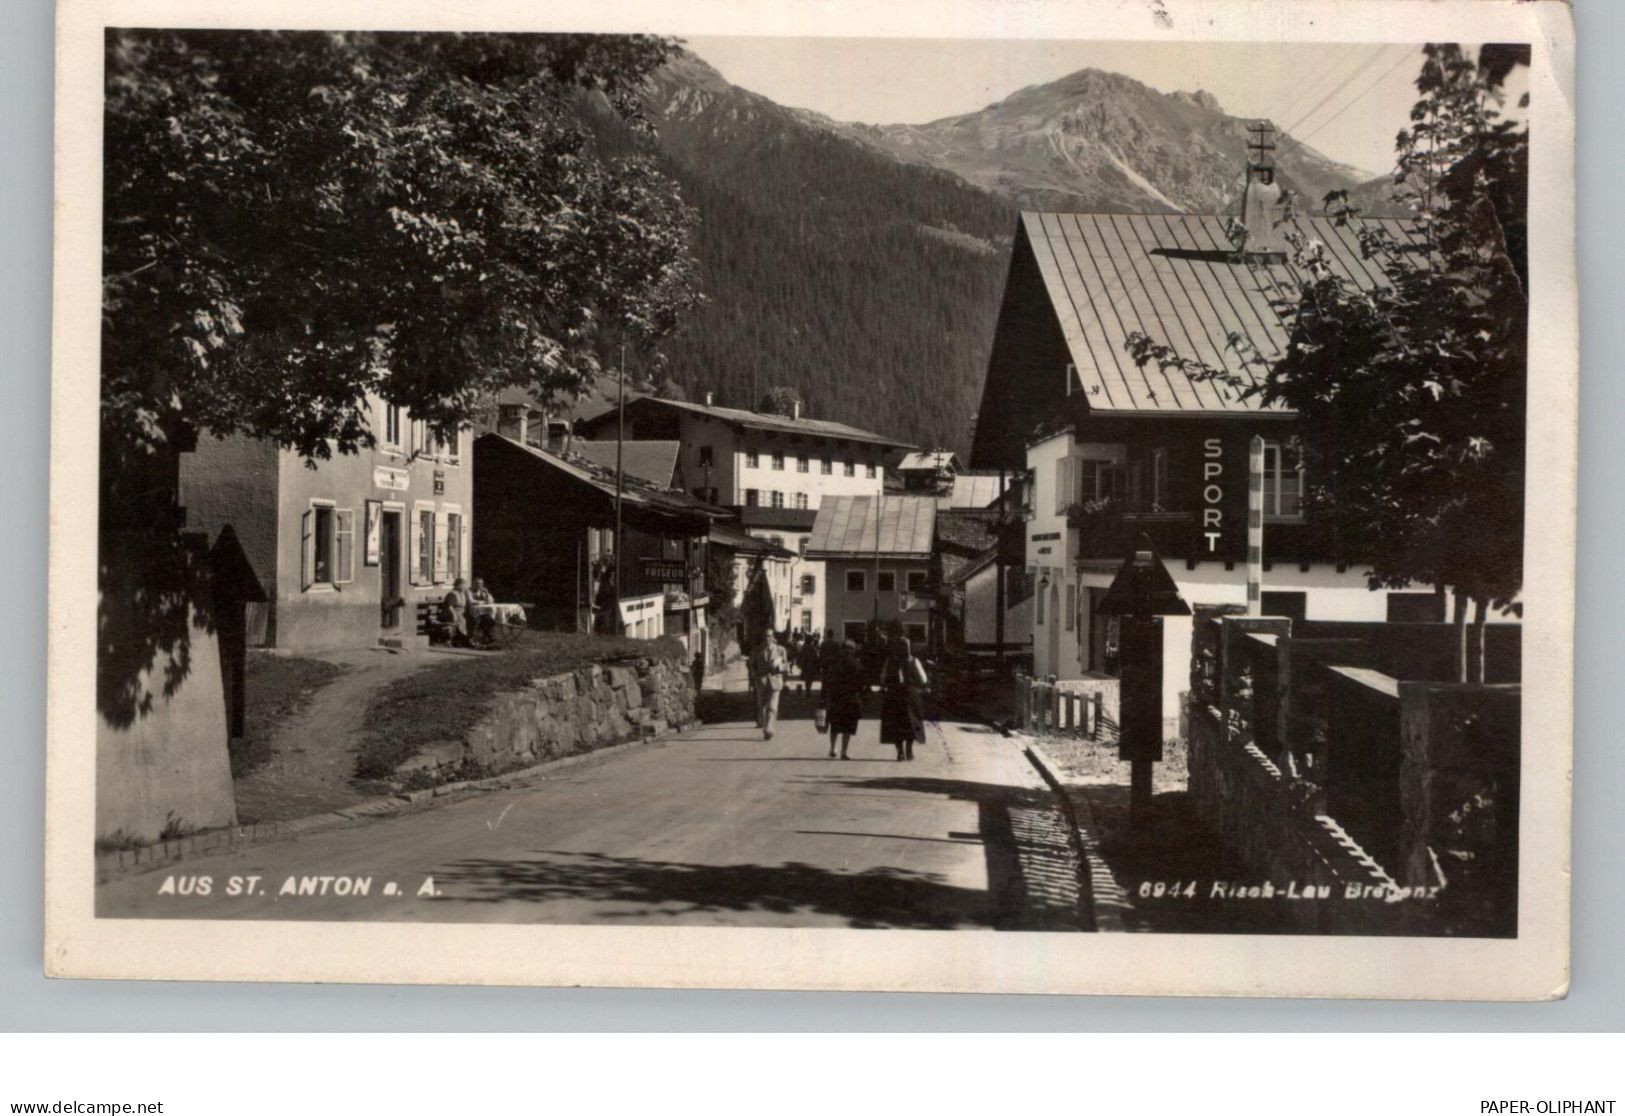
[635, 493]
[727, 535]
[653, 461]
[784, 519]
[971, 490]
[1177, 279]
[882, 526]
[936, 459]
[784, 424]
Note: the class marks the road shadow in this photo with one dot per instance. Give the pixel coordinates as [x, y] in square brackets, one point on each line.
[1032, 879]
[874, 899]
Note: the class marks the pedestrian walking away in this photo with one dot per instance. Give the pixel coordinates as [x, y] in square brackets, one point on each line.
[771, 666]
[902, 708]
[842, 695]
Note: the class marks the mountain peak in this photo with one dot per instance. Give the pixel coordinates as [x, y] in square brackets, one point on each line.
[1201, 99]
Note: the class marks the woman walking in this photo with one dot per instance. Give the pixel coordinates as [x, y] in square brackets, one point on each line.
[842, 695]
[902, 685]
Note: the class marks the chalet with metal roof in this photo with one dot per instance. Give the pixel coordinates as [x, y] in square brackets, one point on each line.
[1111, 453]
[877, 555]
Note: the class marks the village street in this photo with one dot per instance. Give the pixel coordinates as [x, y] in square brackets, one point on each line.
[711, 827]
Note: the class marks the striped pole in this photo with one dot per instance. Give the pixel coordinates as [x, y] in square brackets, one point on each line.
[1255, 526]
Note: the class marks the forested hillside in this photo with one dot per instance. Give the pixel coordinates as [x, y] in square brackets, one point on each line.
[869, 285]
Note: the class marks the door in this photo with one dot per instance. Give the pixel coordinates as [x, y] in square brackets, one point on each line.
[390, 556]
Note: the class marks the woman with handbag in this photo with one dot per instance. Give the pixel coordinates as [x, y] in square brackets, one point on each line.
[841, 699]
[902, 709]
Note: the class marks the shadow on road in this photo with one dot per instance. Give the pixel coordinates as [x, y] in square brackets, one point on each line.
[1033, 880]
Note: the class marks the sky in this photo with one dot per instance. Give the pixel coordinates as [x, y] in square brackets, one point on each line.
[1346, 101]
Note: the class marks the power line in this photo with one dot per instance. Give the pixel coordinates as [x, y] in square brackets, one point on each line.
[1356, 99]
[1370, 61]
[1380, 78]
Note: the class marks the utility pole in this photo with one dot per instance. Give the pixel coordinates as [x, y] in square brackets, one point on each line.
[620, 437]
[998, 588]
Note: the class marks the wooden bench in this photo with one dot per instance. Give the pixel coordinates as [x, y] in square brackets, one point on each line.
[429, 622]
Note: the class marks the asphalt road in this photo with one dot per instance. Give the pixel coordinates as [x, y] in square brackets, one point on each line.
[713, 827]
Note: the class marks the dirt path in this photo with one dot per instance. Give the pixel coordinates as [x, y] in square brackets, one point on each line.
[312, 764]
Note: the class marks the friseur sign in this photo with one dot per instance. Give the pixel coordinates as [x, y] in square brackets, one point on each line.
[665, 571]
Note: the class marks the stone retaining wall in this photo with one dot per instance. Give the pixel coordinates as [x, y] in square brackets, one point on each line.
[1278, 828]
[566, 714]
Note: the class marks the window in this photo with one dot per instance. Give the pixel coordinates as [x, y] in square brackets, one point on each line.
[425, 549]
[886, 581]
[751, 460]
[1283, 482]
[1290, 605]
[809, 584]
[323, 565]
[856, 582]
[806, 619]
[705, 457]
[447, 448]
[394, 420]
[849, 468]
[1416, 608]
[329, 545]
[778, 498]
[854, 630]
[1161, 495]
[454, 546]
[801, 501]
[801, 463]
[915, 633]
[1038, 601]
[871, 470]
[1071, 607]
[825, 466]
[916, 581]
[750, 497]
[778, 460]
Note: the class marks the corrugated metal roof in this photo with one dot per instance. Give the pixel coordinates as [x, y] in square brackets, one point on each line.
[937, 459]
[971, 490]
[653, 461]
[820, 428]
[1177, 279]
[634, 492]
[898, 526]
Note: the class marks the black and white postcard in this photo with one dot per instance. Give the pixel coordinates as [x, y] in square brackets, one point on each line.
[979, 496]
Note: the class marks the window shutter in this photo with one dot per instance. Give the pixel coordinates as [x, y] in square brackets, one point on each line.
[307, 548]
[440, 546]
[414, 562]
[343, 546]
[465, 555]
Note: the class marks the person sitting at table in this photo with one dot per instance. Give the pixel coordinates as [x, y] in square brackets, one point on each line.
[454, 613]
[480, 594]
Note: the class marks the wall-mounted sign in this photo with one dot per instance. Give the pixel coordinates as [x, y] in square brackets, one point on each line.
[665, 571]
[439, 482]
[392, 479]
[1221, 499]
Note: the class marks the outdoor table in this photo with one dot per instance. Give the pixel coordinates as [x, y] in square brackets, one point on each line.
[499, 613]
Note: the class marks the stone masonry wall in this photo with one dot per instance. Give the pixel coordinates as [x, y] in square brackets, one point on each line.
[570, 713]
[1276, 826]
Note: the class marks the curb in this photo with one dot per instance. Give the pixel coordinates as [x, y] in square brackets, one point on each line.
[215, 841]
[1108, 902]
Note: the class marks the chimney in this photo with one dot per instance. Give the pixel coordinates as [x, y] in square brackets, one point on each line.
[1262, 199]
[511, 421]
[795, 410]
[708, 399]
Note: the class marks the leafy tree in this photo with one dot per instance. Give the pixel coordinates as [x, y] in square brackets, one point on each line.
[1410, 396]
[780, 401]
[293, 220]
[671, 389]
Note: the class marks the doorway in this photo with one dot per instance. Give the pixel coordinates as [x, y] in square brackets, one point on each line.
[1054, 664]
[390, 555]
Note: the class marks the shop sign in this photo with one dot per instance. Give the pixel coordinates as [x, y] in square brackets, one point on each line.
[390, 478]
